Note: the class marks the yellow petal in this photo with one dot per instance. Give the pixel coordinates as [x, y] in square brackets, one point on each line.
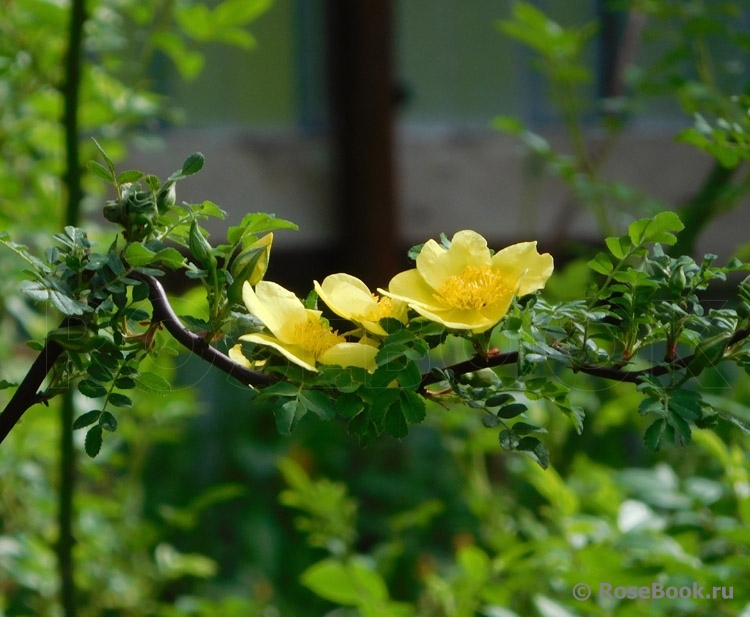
[261, 265]
[436, 264]
[457, 319]
[235, 353]
[351, 354]
[293, 353]
[278, 308]
[524, 266]
[410, 287]
[346, 296]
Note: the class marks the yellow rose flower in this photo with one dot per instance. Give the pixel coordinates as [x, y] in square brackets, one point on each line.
[465, 287]
[299, 333]
[351, 299]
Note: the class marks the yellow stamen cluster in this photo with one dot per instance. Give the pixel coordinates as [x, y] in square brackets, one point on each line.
[316, 337]
[384, 306]
[475, 288]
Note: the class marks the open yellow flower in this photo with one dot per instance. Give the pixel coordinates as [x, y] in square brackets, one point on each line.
[351, 299]
[299, 333]
[465, 287]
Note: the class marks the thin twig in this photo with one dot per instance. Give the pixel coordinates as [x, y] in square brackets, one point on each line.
[610, 373]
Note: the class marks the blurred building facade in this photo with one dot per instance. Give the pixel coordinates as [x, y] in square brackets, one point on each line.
[369, 124]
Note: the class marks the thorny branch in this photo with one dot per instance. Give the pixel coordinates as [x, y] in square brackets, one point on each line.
[27, 393]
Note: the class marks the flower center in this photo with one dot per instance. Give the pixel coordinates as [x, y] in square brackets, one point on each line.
[384, 307]
[475, 288]
[316, 337]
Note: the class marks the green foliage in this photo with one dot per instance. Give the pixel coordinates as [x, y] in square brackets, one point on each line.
[644, 300]
[588, 523]
[118, 97]
[689, 53]
[479, 531]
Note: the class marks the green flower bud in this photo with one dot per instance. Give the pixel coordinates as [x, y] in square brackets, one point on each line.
[709, 352]
[200, 248]
[166, 197]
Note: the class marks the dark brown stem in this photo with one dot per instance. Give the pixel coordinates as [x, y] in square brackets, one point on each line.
[610, 373]
[472, 364]
[27, 393]
[164, 314]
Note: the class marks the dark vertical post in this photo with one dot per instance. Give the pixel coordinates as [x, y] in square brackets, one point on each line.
[361, 90]
[72, 180]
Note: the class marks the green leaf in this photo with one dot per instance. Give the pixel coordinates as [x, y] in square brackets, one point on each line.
[498, 399]
[153, 383]
[575, 413]
[281, 388]
[100, 170]
[287, 416]
[209, 208]
[524, 428]
[508, 124]
[240, 12]
[194, 163]
[686, 403]
[108, 422]
[394, 422]
[131, 175]
[99, 373]
[682, 430]
[349, 405]
[490, 421]
[93, 442]
[350, 583]
[86, 419]
[170, 257]
[618, 246]
[91, 388]
[651, 405]
[535, 449]
[601, 264]
[409, 376]
[125, 383]
[658, 228]
[257, 223]
[508, 440]
[654, 434]
[391, 325]
[138, 255]
[363, 428]
[61, 301]
[120, 400]
[4, 384]
[413, 406]
[511, 411]
[317, 402]
[107, 160]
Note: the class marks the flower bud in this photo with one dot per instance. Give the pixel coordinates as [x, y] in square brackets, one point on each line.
[200, 248]
[249, 265]
[166, 197]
